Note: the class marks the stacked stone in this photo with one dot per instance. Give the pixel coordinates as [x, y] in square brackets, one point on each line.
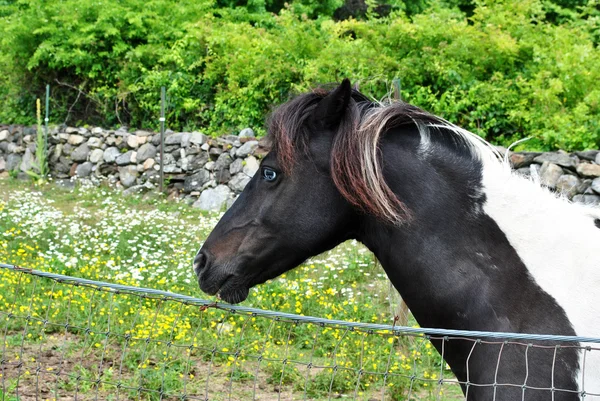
[576, 175]
[211, 172]
[207, 172]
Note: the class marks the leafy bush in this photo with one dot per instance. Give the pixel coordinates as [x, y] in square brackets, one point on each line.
[504, 69]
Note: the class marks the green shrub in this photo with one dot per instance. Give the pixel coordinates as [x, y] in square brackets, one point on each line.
[504, 69]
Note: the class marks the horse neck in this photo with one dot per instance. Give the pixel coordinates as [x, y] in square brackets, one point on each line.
[477, 247]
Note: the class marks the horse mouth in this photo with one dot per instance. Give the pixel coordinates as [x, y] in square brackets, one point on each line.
[228, 289]
[232, 292]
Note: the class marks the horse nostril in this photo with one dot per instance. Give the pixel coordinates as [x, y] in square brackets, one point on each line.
[200, 262]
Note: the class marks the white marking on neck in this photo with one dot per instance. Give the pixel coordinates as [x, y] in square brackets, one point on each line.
[556, 240]
[559, 244]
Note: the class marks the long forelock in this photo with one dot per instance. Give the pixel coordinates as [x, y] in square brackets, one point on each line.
[287, 128]
[356, 165]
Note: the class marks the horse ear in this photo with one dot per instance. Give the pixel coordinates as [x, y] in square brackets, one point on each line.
[332, 108]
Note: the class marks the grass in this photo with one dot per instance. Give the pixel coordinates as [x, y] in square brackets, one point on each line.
[88, 342]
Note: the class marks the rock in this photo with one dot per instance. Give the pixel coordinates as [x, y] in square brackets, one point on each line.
[63, 166]
[169, 159]
[84, 170]
[198, 162]
[210, 166]
[185, 162]
[146, 152]
[231, 201]
[549, 174]
[593, 200]
[128, 175]
[96, 156]
[171, 169]
[560, 159]
[523, 171]
[185, 139]
[174, 149]
[111, 141]
[589, 170]
[247, 133]
[246, 149]
[595, 185]
[111, 154]
[94, 142]
[174, 139]
[73, 170]
[223, 162]
[597, 160]
[238, 182]
[80, 154]
[214, 153]
[236, 167]
[27, 161]
[520, 160]
[209, 184]
[4, 135]
[124, 159]
[67, 149]
[251, 166]
[2, 164]
[14, 148]
[205, 146]
[568, 185]
[194, 182]
[197, 138]
[13, 161]
[142, 133]
[142, 140]
[213, 199]
[151, 176]
[75, 139]
[55, 155]
[133, 141]
[222, 176]
[587, 154]
[97, 130]
[148, 164]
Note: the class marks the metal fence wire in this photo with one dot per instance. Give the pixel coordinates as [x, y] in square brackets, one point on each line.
[66, 338]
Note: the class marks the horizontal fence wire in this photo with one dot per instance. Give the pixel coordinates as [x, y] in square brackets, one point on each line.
[68, 338]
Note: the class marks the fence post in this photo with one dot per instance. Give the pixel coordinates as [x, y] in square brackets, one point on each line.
[46, 119]
[162, 138]
[397, 86]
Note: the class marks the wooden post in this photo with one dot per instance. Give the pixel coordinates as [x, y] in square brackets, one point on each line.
[397, 87]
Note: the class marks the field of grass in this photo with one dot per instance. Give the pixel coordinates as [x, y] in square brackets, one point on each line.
[72, 342]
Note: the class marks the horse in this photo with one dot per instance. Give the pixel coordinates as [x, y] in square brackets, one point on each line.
[468, 244]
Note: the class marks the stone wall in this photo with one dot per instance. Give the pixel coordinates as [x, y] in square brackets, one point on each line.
[210, 172]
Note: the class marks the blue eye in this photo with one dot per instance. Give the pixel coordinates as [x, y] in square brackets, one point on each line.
[269, 174]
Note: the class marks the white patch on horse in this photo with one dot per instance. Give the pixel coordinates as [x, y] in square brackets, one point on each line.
[558, 243]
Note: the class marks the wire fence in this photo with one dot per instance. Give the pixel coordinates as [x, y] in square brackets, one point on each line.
[66, 338]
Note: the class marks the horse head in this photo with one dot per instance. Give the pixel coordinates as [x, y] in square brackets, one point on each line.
[290, 210]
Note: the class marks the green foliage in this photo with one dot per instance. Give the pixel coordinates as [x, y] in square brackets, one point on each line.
[503, 69]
